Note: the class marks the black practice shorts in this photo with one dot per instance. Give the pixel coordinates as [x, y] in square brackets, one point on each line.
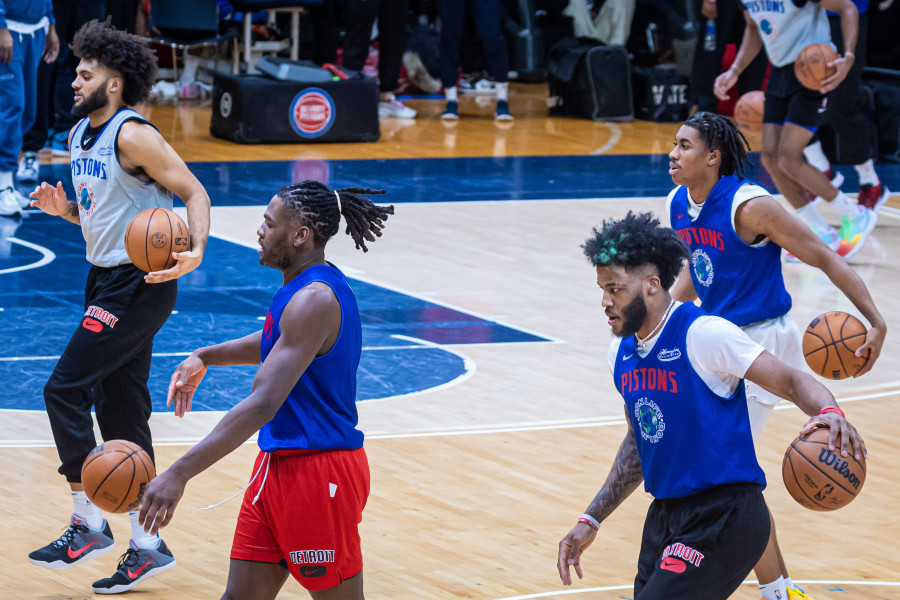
[787, 101]
[702, 546]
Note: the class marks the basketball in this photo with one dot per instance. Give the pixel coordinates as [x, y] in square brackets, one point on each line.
[748, 112]
[115, 475]
[830, 342]
[818, 478]
[152, 236]
[811, 66]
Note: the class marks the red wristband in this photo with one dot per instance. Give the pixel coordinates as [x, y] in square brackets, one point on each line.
[833, 409]
[589, 520]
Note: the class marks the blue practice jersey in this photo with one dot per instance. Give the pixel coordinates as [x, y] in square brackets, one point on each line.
[320, 412]
[689, 438]
[734, 280]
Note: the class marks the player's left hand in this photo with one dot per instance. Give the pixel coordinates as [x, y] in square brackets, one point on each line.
[872, 347]
[159, 501]
[837, 425]
[842, 65]
[187, 262]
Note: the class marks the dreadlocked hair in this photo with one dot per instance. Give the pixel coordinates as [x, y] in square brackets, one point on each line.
[721, 134]
[635, 242]
[120, 51]
[316, 205]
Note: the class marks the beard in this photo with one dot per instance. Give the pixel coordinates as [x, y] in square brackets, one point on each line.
[633, 316]
[99, 99]
[276, 260]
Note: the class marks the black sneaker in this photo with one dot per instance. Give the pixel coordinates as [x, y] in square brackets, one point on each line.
[136, 565]
[77, 544]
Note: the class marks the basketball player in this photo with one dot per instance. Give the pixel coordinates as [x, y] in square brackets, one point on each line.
[302, 507]
[793, 113]
[121, 165]
[681, 373]
[735, 231]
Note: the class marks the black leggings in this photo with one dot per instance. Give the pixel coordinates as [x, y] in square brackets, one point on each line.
[488, 22]
[107, 364]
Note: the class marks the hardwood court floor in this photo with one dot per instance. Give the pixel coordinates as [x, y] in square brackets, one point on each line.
[474, 484]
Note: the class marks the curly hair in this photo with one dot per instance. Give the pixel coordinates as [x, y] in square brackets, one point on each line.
[635, 242]
[721, 134]
[120, 51]
[316, 205]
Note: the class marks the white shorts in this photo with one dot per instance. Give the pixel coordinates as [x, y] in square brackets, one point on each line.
[781, 337]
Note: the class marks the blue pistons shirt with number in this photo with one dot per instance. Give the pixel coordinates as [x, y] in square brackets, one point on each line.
[689, 438]
[734, 280]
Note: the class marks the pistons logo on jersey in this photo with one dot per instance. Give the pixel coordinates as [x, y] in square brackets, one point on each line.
[703, 267]
[268, 326]
[650, 418]
[86, 201]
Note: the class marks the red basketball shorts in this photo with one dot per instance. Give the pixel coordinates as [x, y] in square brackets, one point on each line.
[307, 510]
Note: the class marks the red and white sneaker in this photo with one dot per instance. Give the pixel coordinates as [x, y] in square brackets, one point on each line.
[873, 197]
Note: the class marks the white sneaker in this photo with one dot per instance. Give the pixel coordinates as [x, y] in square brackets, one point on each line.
[395, 108]
[9, 202]
[28, 167]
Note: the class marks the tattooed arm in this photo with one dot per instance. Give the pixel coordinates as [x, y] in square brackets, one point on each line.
[624, 477]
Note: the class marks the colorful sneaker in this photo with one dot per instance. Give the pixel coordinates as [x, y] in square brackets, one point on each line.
[76, 545]
[795, 593]
[828, 235]
[395, 108]
[855, 230]
[873, 197]
[503, 113]
[28, 167]
[136, 565]
[451, 111]
[837, 180]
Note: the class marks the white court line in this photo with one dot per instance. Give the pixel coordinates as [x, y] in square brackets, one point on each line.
[610, 588]
[419, 297]
[47, 256]
[615, 134]
[890, 212]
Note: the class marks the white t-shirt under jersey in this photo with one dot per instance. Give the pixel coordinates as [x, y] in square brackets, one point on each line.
[720, 352]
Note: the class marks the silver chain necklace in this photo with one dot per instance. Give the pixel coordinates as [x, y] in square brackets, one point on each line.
[641, 343]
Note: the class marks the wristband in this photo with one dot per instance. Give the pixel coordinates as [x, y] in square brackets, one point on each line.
[834, 409]
[586, 518]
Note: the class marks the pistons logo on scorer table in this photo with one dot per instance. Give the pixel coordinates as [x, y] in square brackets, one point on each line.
[312, 112]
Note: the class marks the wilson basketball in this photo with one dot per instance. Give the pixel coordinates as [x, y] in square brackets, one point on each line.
[811, 66]
[115, 475]
[152, 236]
[748, 112]
[818, 478]
[830, 343]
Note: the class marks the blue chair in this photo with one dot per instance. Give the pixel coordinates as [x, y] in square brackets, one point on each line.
[187, 24]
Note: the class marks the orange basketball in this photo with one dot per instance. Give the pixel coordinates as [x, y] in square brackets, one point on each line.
[830, 343]
[818, 478]
[115, 475]
[811, 66]
[152, 236]
[748, 112]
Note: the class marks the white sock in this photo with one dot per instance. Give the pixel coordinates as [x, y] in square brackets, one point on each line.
[6, 179]
[788, 582]
[845, 205]
[502, 90]
[810, 215]
[86, 511]
[816, 157]
[866, 172]
[142, 540]
[450, 93]
[777, 590]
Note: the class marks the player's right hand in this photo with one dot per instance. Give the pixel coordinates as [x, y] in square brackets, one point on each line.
[184, 383]
[570, 550]
[723, 83]
[51, 200]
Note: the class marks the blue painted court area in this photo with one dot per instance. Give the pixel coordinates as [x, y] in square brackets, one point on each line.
[224, 299]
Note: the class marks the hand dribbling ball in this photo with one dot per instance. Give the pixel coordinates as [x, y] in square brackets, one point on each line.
[819, 478]
[115, 475]
[152, 236]
[811, 66]
[830, 343]
[748, 112]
